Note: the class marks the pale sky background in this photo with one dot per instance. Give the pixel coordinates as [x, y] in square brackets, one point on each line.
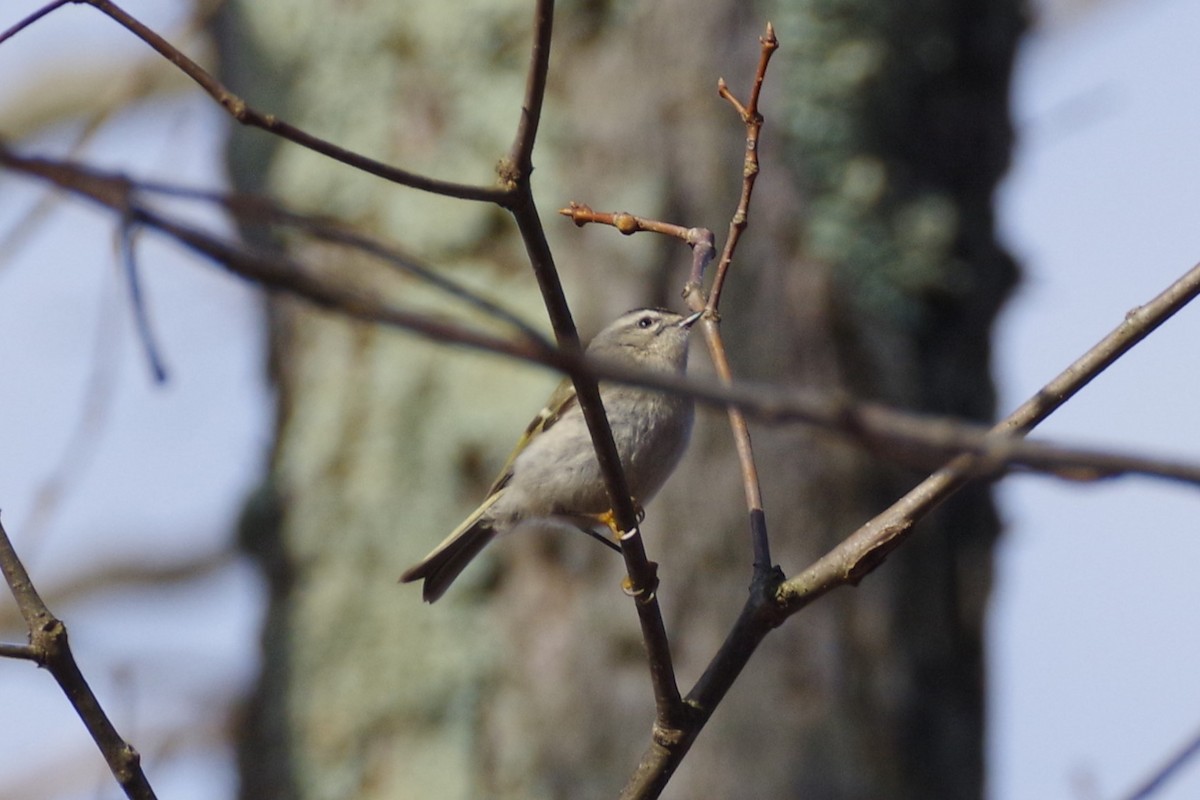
[1094, 649]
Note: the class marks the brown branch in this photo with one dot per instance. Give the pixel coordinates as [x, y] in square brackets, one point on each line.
[864, 550]
[659, 761]
[895, 434]
[870, 544]
[520, 158]
[515, 195]
[751, 487]
[48, 646]
[701, 242]
[874, 426]
[248, 115]
[257, 210]
[629, 224]
[753, 122]
[642, 581]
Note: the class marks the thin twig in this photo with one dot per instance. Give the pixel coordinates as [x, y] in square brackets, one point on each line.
[658, 762]
[751, 486]
[520, 157]
[32, 18]
[1148, 787]
[137, 303]
[250, 209]
[630, 224]
[701, 242]
[18, 651]
[753, 121]
[48, 646]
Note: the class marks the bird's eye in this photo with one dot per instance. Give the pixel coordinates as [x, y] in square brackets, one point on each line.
[645, 322]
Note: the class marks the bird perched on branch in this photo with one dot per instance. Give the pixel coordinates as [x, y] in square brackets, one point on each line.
[553, 473]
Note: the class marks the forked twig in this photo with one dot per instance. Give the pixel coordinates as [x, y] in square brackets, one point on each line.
[48, 647]
[701, 242]
[677, 721]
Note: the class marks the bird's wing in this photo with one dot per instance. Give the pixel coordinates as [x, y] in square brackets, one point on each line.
[559, 403]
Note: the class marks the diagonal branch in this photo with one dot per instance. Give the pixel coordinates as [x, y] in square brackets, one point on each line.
[866, 549]
[49, 648]
[32, 18]
[869, 545]
[642, 580]
[913, 439]
[248, 115]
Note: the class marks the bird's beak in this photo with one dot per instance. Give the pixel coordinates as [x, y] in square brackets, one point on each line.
[688, 321]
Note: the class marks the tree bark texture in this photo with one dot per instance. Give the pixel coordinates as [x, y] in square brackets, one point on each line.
[870, 266]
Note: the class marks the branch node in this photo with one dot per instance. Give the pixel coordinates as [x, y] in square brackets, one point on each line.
[626, 223]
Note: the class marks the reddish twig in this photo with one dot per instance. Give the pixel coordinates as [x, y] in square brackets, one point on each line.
[702, 252]
[629, 224]
[658, 762]
[48, 647]
[753, 122]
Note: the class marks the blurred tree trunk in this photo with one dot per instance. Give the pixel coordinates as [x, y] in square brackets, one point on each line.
[870, 266]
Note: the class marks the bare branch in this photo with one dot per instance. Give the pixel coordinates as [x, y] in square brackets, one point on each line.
[520, 157]
[701, 242]
[870, 544]
[1148, 787]
[642, 581]
[916, 440]
[753, 122]
[659, 761]
[248, 115]
[32, 18]
[863, 551]
[137, 302]
[49, 648]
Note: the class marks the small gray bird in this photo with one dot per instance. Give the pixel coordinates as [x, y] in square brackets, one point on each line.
[553, 473]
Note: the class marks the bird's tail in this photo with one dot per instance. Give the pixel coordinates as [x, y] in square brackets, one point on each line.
[448, 559]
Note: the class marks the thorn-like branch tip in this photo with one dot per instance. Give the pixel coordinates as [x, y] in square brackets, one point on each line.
[769, 41]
